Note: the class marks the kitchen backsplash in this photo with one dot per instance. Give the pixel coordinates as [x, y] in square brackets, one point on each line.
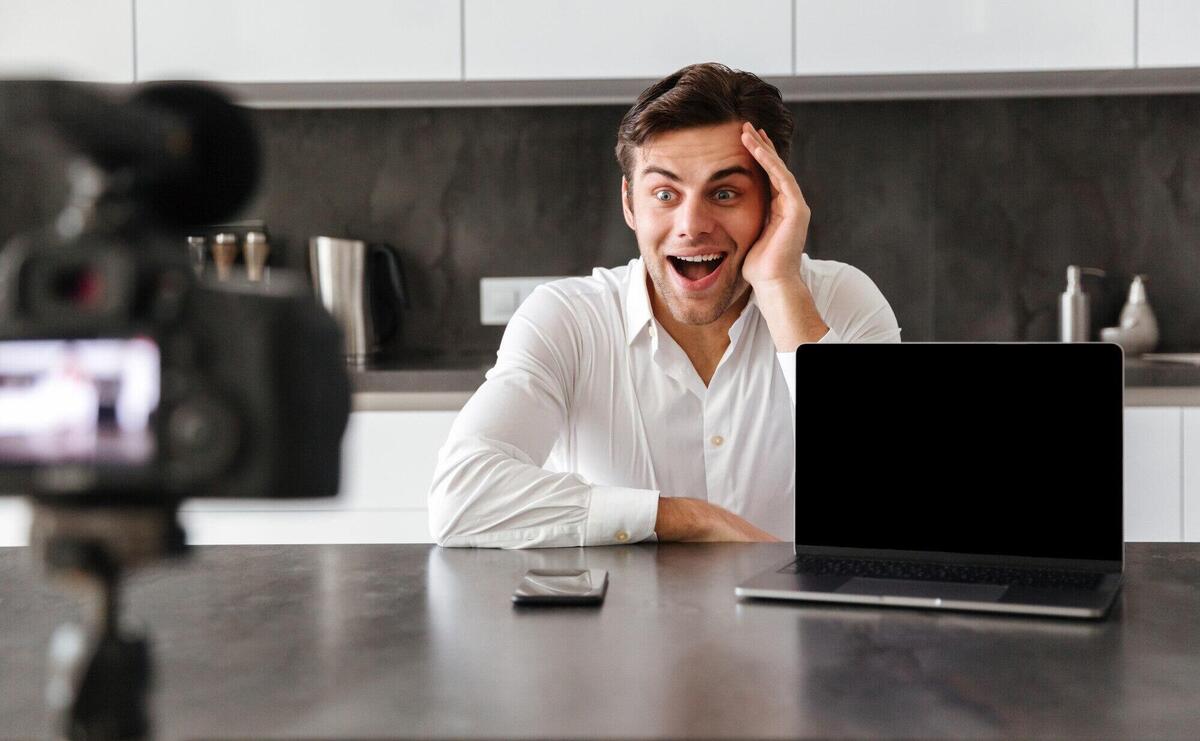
[964, 212]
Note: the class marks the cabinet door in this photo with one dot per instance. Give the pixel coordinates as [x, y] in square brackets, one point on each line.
[287, 526]
[601, 39]
[1168, 33]
[89, 40]
[15, 517]
[915, 36]
[387, 466]
[299, 40]
[1191, 474]
[1153, 479]
[388, 458]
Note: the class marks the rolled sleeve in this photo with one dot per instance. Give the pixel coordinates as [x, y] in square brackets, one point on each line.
[619, 515]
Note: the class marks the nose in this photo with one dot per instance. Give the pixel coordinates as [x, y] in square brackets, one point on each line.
[694, 219]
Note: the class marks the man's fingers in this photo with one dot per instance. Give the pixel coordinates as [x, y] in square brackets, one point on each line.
[781, 178]
[767, 139]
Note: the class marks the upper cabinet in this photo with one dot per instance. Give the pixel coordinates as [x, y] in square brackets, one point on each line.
[857, 37]
[606, 39]
[1168, 33]
[299, 40]
[88, 40]
[521, 52]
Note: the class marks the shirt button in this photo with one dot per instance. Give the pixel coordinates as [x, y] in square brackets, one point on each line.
[622, 536]
[717, 440]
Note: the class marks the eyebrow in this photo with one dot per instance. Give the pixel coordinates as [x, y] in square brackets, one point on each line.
[718, 175]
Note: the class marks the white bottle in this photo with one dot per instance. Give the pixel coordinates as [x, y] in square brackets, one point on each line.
[1074, 324]
[1138, 331]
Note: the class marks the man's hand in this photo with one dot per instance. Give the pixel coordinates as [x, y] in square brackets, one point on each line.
[775, 256]
[772, 264]
[680, 518]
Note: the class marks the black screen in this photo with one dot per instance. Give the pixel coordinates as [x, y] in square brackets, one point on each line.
[983, 448]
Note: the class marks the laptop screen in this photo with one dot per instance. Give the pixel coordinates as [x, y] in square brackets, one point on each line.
[983, 448]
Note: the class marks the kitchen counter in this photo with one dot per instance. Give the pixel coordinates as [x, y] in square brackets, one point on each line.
[424, 382]
[418, 641]
[445, 383]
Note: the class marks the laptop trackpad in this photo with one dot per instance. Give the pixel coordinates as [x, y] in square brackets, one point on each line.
[924, 589]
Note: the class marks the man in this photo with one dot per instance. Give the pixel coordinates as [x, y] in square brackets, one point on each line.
[658, 400]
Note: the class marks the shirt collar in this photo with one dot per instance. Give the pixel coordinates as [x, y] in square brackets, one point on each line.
[638, 313]
[637, 302]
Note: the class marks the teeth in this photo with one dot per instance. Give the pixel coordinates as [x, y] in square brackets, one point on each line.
[699, 258]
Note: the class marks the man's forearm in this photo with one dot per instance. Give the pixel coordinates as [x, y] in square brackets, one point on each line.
[681, 518]
[676, 519]
[791, 313]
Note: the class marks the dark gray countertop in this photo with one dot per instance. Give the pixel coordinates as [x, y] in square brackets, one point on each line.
[418, 641]
[1143, 374]
[437, 376]
[465, 374]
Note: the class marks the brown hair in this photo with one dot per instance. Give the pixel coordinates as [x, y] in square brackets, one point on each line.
[703, 95]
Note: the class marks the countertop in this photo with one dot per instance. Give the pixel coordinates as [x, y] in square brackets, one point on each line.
[420, 641]
[446, 382]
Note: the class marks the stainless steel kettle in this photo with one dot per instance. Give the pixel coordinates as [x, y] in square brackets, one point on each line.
[346, 278]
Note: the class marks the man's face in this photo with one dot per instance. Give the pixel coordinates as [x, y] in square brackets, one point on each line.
[697, 203]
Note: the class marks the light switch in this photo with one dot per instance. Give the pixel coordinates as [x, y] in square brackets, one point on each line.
[500, 297]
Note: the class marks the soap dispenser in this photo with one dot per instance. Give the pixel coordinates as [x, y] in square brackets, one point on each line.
[1138, 331]
[1073, 320]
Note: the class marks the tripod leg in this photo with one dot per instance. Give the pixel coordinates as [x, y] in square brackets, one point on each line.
[99, 688]
[111, 702]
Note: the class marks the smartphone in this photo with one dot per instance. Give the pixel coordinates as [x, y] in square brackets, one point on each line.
[562, 587]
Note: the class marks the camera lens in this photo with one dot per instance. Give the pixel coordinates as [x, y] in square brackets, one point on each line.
[81, 287]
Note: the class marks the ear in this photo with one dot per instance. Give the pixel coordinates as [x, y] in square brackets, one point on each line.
[625, 205]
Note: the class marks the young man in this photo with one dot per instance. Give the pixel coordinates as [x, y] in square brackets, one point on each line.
[658, 399]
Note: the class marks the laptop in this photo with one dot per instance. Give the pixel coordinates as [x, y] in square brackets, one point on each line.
[957, 476]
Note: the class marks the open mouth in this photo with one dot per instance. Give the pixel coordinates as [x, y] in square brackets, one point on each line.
[697, 267]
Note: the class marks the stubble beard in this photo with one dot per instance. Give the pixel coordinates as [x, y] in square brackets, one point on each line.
[695, 313]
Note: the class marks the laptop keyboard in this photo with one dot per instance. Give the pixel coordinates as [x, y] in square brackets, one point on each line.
[942, 572]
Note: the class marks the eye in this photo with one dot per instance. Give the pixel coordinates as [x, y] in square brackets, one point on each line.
[724, 194]
[665, 196]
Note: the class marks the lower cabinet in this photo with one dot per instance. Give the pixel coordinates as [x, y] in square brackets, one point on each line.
[1191, 474]
[1153, 473]
[388, 460]
[387, 466]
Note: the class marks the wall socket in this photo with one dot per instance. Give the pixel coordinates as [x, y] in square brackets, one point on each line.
[500, 297]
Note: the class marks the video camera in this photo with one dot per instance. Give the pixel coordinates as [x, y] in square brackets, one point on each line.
[124, 379]
[127, 384]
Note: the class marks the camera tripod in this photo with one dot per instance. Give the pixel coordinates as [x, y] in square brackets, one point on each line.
[99, 684]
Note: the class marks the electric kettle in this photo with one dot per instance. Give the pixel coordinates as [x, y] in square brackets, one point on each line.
[363, 286]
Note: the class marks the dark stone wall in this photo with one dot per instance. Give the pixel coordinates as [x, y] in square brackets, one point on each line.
[964, 212]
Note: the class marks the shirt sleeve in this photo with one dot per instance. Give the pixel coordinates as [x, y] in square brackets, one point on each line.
[855, 311]
[489, 488]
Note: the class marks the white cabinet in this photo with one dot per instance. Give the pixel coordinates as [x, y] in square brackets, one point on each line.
[89, 40]
[299, 40]
[932, 36]
[602, 39]
[1168, 33]
[387, 466]
[1153, 473]
[1191, 474]
[389, 457]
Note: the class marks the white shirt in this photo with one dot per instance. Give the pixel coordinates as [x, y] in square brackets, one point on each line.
[592, 411]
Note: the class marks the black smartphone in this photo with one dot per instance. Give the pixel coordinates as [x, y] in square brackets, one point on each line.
[562, 587]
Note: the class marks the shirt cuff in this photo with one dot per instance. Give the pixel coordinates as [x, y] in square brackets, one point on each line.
[619, 515]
